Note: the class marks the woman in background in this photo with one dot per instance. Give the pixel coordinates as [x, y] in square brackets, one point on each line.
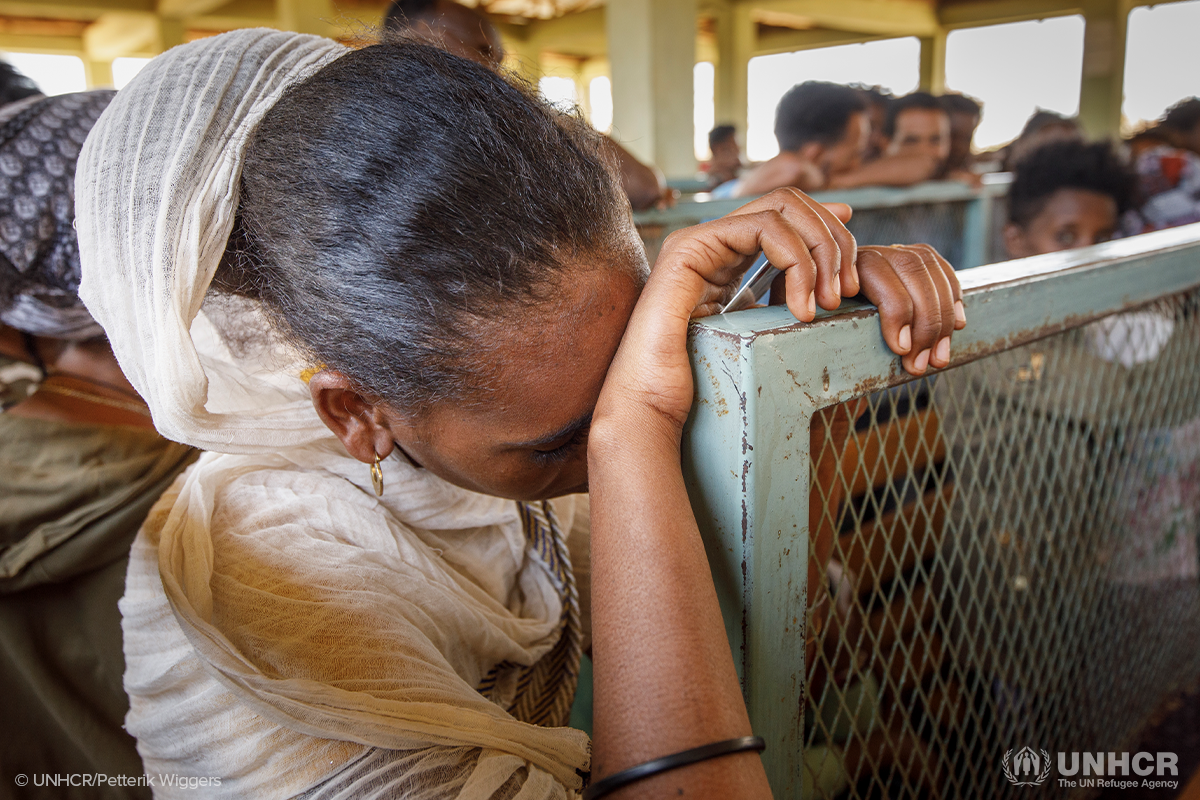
[80, 466]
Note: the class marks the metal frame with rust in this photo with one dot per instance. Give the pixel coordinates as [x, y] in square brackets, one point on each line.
[759, 378]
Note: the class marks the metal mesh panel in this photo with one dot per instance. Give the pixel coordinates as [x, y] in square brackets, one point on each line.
[1008, 554]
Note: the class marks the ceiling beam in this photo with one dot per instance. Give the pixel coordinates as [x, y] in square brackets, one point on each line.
[997, 12]
[52, 45]
[181, 9]
[121, 33]
[71, 9]
[878, 17]
[581, 35]
[782, 40]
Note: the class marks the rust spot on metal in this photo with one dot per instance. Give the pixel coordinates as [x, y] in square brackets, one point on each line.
[825, 379]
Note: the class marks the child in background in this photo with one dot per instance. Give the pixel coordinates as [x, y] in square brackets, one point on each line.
[1067, 195]
[1064, 195]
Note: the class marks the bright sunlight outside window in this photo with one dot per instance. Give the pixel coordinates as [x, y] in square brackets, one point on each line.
[1015, 69]
[1162, 62]
[559, 92]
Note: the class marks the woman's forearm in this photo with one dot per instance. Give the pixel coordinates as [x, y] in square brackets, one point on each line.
[664, 676]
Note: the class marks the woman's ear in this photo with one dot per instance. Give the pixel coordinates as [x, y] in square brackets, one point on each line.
[358, 421]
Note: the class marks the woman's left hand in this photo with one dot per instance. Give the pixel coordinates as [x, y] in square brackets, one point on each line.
[698, 270]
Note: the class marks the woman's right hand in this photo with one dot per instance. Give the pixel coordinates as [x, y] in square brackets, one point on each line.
[649, 383]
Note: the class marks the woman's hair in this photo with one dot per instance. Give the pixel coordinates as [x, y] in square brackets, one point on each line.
[403, 196]
[1067, 165]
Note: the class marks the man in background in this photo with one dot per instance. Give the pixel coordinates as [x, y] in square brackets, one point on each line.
[1181, 124]
[964, 113]
[917, 146]
[467, 33]
[822, 129]
[878, 100]
[726, 162]
[918, 127]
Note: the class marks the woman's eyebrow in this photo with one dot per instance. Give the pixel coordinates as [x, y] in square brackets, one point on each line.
[568, 430]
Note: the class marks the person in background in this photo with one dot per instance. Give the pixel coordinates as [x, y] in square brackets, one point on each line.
[1181, 124]
[726, 162]
[1146, 139]
[80, 466]
[964, 115]
[917, 132]
[1168, 185]
[1065, 195]
[1041, 128]
[15, 85]
[468, 33]
[877, 99]
[822, 129]
[918, 127]
[18, 378]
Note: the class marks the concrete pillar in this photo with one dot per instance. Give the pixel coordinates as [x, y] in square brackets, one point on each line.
[744, 42]
[652, 51]
[722, 15]
[933, 63]
[98, 73]
[1102, 85]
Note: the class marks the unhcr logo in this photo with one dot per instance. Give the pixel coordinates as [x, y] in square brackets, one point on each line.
[1029, 767]
[1026, 767]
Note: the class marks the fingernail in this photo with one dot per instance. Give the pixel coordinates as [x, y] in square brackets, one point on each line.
[959, 314]
[922, 362]
[837, 284]
[812, 303]
[906, 338]
[943, 350]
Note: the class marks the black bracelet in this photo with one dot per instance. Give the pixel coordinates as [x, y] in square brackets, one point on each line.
[628, 776]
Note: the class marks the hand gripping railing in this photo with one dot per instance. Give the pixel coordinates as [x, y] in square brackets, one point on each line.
[994, 565]
[961, 222]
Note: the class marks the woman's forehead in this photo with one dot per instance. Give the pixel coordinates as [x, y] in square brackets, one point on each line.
[547, 363]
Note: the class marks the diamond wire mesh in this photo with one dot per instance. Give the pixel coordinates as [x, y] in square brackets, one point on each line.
[941, 225]
[1011, 560]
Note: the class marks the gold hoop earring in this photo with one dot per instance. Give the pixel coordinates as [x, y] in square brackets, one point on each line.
[377, 477]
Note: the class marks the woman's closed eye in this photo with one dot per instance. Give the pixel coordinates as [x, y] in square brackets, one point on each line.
[562, 453]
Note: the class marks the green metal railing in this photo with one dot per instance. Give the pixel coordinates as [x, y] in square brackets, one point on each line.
[961, 222]
[919, 576]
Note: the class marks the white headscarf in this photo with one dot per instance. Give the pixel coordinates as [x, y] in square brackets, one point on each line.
[156, 193]
[280, 620]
